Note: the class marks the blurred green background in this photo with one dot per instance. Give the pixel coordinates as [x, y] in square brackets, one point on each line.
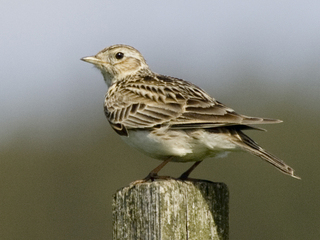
[60, 162]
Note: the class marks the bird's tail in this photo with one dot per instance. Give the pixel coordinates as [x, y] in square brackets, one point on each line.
[251, 146]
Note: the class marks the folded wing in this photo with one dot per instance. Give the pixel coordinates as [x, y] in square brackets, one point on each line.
[172, 102]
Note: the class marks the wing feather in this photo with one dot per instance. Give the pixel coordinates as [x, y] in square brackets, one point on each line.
[146, 102]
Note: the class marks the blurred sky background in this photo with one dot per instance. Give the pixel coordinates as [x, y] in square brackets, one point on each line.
[61, 162]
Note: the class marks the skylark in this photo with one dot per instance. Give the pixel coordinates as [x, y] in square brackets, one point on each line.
[171, 119]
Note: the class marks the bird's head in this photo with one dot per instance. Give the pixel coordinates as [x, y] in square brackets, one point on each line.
[117, 62]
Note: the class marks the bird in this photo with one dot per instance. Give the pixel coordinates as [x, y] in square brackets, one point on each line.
[171, 119]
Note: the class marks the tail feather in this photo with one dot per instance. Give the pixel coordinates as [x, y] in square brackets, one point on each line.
[258, 120]
[251, 146]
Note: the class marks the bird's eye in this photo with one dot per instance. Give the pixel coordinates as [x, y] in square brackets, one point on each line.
[119, 55]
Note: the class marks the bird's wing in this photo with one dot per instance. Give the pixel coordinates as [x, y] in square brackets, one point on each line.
[168, 101]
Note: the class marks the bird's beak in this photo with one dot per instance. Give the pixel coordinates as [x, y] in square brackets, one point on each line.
[92, 60]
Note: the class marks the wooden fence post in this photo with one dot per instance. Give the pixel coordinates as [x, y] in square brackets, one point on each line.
[171, 209]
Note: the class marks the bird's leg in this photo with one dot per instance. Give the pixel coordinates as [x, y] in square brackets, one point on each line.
[185, 175]
[154, 173]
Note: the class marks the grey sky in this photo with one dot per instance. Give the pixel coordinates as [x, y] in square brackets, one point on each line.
[201, 41]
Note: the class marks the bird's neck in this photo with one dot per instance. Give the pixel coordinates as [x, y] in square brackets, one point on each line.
[111, 79]
[108, 78]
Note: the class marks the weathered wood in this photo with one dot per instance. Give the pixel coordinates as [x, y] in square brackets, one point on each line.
[171, 209]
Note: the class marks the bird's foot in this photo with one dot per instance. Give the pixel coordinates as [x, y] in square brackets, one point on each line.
[152, 176]
[184, 176]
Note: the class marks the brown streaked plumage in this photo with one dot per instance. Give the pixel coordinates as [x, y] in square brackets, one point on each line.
[169, 118]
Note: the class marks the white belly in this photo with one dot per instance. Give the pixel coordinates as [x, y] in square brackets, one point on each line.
[192, 145]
